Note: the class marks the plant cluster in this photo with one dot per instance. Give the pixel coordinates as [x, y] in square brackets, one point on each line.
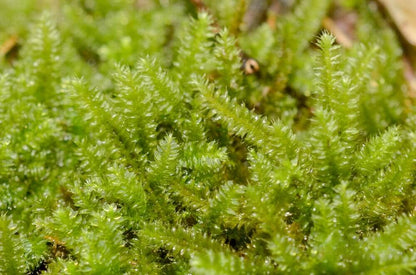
[133, 143]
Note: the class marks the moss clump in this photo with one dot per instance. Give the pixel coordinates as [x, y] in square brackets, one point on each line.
[132, 141]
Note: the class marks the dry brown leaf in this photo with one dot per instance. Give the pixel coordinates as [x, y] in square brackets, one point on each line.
[341, 37]
[410, 77]
[403, 13]
[255, 14]
[342, 23]
[8, 45]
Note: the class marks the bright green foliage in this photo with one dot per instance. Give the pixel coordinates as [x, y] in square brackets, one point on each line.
[11, 252]
[132, 142]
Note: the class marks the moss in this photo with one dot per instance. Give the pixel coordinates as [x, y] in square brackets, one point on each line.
[133, 141]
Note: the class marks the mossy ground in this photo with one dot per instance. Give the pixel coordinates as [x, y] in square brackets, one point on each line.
[136, 138]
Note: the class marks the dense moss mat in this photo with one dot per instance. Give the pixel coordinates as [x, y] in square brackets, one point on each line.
[136, 138]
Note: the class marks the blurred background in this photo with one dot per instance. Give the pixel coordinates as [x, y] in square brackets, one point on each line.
[104, 32]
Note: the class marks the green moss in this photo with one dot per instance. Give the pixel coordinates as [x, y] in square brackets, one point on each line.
[132, 141]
